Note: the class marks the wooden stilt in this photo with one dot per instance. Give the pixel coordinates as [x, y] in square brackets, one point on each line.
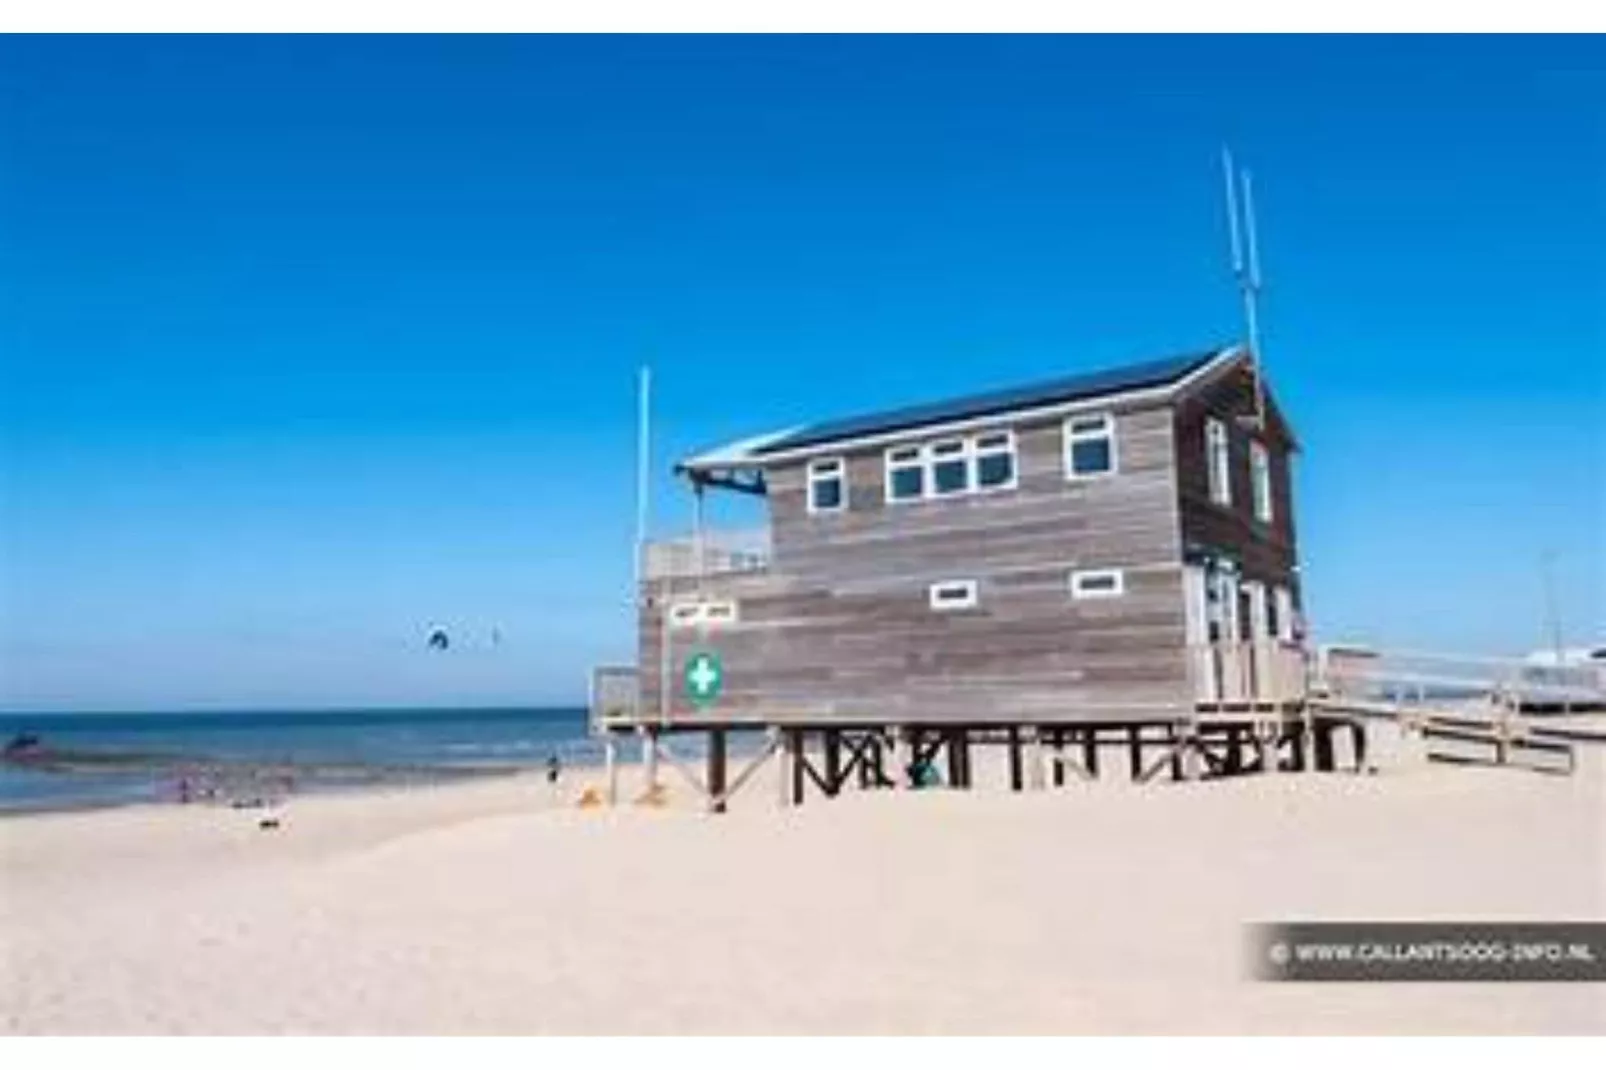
[1296, 752]
[610, 761]
[1178, 772]
[1017, 772]
[831, 740]
[1322, 746]
[783, 764]
[1134, 743]
[649, 757]
[716, 770]
[1059, 757]
[1090, 751]
[794, 751]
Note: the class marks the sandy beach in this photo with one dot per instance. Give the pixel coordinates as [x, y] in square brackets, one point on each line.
[499, 907]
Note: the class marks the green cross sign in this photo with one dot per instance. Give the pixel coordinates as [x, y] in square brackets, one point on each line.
[704, 676]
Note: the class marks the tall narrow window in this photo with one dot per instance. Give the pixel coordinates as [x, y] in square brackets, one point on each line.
[827, 486]
[1217, 468]
[1260, 480]
[950, 467]
[1089, 446]
[1283, 598]
[995, 461]
[906, 474]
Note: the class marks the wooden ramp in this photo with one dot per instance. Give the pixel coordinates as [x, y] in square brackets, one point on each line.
[1467, 710]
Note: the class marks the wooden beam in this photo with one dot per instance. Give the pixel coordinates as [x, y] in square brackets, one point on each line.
[1134, 743]
[1090, 751]
[716, 770]
[1017, 774]
[794, 754]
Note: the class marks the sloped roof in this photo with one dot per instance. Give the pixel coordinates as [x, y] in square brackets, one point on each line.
[1084, 386]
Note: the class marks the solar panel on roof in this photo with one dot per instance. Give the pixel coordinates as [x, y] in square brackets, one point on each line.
[1052, 392]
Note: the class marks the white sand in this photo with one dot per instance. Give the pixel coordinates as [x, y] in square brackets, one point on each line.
[483, 909]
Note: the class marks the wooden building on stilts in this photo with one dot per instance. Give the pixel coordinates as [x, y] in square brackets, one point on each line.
[1093, 572]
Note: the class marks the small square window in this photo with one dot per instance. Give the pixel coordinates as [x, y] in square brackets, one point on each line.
[950, 468]
[995, 460]
[827, 488]
[906, 474]
[1089, 446]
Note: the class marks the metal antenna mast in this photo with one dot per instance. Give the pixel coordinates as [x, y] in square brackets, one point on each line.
[1246, 267]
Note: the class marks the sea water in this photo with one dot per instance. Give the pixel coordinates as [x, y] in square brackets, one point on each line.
[91, 759]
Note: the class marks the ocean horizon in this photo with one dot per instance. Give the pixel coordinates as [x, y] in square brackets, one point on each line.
[100, 758]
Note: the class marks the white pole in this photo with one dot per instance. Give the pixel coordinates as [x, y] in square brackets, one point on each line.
[643, 451]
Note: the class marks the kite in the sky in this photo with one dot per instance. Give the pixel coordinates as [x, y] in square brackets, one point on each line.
[439, 640]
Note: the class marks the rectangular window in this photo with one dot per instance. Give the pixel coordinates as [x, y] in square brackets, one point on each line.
[1217, 466]
[1089, 446]
[827, 486]
[950, 468]
[1098, 583]
[995, 461]
[707, 614]
[906, 474]
[953, 594]
[1260, 480]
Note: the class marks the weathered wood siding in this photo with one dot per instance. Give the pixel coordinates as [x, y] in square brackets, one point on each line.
[1267, 552]
[840, 628]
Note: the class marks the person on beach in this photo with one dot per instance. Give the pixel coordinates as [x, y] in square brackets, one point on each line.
[553, 768]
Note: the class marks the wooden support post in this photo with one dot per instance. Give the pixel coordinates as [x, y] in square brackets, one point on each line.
[1358, 739]
[794, 751]
[610, 761]
[964, 754]
[1134, 743]
[1090, 751]
[1017, 774]
[1034, 758]
[649, 757]
[1296, 745]
[1322, 746]
[1234, 763]
[781, 740]
[1059, 757]
[716, 770]
[831, 740]
[1178, 772]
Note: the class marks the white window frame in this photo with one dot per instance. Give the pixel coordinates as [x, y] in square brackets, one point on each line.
[964, 455]
[918, 463]
[821, 470]
[1073, 436]
[978, 451]
[1079, 577]
[702, 613]
[1284, 600]
[936, 595]
[1260, 480]
[1218, 461]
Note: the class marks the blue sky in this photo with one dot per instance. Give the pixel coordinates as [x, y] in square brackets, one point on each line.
[309, 344]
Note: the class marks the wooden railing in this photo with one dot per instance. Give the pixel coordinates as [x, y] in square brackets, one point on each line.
[1405, 677]
[708, 554]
